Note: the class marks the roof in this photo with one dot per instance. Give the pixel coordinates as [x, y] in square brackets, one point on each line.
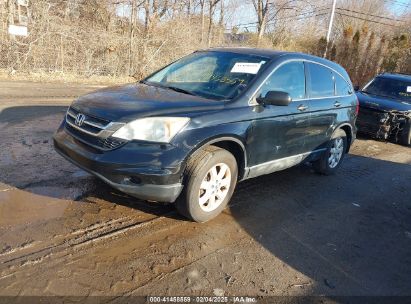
[270, 53]
[396, 76]
[249, 51]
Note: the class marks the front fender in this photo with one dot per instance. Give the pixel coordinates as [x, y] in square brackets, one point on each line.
[195, 139]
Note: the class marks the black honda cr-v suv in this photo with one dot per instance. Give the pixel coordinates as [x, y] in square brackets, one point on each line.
[189, 132]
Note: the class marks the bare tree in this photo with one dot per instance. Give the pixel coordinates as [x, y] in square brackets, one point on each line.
[262, 9]
[202, 4]
[136, 37]
[212, 4]
[154, 11]
[133, 14]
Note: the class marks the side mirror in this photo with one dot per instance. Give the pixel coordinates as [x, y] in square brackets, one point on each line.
[275, 98]
[356, 88]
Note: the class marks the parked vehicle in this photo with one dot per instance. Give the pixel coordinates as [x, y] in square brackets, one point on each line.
[385, 108]
[189, 132]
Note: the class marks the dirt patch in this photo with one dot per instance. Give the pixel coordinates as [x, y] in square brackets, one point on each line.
[61, 78]
[289, 233]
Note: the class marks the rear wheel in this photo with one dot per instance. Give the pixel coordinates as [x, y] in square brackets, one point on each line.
[332, 158]
[210, 180]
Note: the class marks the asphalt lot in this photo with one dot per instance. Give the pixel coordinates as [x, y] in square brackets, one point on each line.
[63, 232]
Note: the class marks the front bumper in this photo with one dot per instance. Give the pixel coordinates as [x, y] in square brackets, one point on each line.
[146, 171]
[380, 124]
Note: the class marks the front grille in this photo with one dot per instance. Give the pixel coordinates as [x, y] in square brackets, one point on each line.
[93, 131]
[91, 124]
[109, 143]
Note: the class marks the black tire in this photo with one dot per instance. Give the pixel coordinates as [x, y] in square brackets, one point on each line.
[198, 167]
[322, 165]
[406, 134]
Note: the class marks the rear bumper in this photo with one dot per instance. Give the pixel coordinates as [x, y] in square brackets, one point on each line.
[139, 173]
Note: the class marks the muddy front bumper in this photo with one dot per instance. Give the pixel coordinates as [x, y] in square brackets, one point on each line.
[137, 169]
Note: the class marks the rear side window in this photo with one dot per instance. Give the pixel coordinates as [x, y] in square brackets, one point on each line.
[342, 87]
[289, 78]
[321, 81]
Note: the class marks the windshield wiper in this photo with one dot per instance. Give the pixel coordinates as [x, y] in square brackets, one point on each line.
[180, 90]
[149, 83]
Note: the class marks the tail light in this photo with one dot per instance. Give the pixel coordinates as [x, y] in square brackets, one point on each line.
[357, 108]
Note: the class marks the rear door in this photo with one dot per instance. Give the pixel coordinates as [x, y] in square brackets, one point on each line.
[323, 104]
[280, 131]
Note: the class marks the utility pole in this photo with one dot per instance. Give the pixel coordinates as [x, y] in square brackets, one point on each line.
[330, 26]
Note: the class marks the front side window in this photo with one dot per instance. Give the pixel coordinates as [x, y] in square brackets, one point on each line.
[214, 75]
[321, 81]
[391, 88]
[289, 78]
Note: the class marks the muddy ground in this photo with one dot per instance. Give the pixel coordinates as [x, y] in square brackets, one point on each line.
[63, 232]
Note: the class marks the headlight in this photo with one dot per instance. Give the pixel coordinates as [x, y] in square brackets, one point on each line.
[157, 129]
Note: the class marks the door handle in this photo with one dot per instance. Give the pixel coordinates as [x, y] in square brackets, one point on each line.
[337, 104]
[302, 108]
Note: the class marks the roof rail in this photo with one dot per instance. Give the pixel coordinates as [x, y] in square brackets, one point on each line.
[396, 73]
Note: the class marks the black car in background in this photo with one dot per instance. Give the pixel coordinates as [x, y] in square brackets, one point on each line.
[189, 132]
[385, 108]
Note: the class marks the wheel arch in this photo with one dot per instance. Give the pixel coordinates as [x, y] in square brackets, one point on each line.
[232, 144]
[348, 129]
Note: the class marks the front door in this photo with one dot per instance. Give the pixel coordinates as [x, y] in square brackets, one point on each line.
[278, 134]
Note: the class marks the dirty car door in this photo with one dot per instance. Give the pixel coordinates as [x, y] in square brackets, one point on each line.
[279, 131]
[329, 96]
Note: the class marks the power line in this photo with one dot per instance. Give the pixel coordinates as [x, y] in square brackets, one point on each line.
[320, 11]
[254, 24]
[382, 17]
[302, 15]
[296, 17]
[398, 3]
[342, 14]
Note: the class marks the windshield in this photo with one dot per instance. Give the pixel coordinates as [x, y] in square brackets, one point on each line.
[214, 75]
[392, 88]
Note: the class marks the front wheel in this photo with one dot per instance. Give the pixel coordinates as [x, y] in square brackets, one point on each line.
[332, 158]
[210, 180]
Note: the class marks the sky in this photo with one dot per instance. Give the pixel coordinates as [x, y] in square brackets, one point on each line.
[398, 6]
[245, 13]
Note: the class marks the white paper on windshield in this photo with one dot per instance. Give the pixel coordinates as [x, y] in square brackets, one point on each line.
[408, 89]
[246, 67]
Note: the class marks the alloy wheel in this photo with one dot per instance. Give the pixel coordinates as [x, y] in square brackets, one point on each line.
[214, 187]
[336, 152]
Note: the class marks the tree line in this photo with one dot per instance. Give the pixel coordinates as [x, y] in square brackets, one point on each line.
[135, 37]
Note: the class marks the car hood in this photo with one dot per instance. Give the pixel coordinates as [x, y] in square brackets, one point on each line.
[128, 102]
[382, 103]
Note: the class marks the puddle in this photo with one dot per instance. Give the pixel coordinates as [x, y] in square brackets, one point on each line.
[19, 207]
[55, 192]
